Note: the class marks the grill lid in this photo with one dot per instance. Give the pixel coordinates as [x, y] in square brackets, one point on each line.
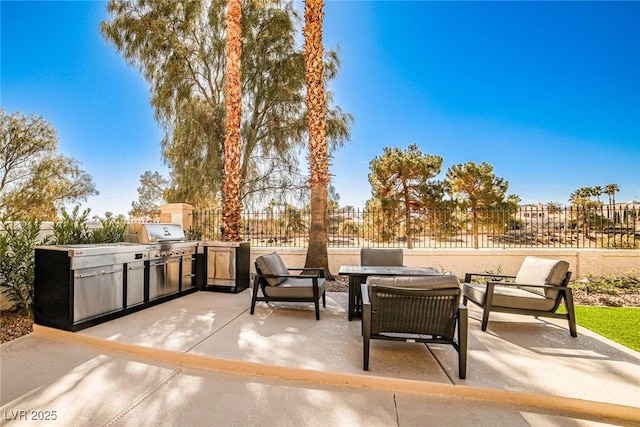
[153, 233]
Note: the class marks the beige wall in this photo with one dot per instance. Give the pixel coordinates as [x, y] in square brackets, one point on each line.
[459, 261]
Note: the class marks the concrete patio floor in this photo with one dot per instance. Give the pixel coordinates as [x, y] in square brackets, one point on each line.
[203, 360]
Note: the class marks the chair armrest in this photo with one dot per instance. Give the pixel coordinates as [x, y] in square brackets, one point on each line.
[462, 311]
[287, 276]
[469, 276]
[365, 294]
[524, 285]
[290, 276]
[318, 270]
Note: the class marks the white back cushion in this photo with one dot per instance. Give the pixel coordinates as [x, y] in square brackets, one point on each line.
[436, 281]
[541, 271]
[271, 264]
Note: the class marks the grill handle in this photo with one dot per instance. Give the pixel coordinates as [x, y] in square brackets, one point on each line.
[97, 273]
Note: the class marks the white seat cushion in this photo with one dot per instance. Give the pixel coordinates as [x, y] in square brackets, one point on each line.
[508, 296]
[295, 288]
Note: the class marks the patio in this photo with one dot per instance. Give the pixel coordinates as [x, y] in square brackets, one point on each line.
[203, 359]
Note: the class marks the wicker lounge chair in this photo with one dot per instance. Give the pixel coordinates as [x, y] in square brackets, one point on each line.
[423, 309]
[277, 284]
[537, 290]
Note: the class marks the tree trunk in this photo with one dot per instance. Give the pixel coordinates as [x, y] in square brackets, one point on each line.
[408, 225]
[231, 202]
[317, 255]
[474, 212]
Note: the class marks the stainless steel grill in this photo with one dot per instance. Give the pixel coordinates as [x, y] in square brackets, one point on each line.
[171, 256]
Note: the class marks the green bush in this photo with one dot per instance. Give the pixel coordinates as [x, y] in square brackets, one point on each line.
[72, 228]
[113, 230]
[17, 242]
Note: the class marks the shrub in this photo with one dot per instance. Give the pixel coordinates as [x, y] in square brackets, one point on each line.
[614, 284]
[113, 230]
[17, 242]
[72, 228]
[619, 241]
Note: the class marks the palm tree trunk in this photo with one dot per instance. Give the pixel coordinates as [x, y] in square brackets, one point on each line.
[317, 255]
[231, 202]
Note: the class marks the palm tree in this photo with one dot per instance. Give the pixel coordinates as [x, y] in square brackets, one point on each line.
[554, 207]
[597, 191]
[231, 201]
[317, 255]
[611, 190]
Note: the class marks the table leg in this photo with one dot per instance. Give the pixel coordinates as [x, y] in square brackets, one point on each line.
[355, 296]
[351, 296]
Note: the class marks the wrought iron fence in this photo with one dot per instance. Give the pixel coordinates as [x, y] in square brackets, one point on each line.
[529, 226]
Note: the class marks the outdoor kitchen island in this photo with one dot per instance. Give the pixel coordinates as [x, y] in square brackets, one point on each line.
[78, 286]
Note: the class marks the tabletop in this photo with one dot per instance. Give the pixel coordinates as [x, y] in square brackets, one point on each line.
[386, 271]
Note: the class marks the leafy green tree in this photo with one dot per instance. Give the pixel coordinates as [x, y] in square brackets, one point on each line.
[475, 187]
[291, 220]
[400, 179]
[180, 49]
[380, 223]
[150, 195]
[438, 215]
[36, 180]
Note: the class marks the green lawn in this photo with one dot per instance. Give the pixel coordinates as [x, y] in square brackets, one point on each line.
[619, 324]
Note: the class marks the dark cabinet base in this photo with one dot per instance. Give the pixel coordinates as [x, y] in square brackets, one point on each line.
[235, 275]
[54, 298]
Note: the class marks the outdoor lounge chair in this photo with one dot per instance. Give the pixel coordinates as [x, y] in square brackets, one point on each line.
[538, 289]
[423, 309]
[381, 257]
[273, 278]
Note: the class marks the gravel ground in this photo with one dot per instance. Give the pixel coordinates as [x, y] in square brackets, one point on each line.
[14, 325]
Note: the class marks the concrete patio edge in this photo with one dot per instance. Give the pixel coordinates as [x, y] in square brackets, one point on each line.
[570, 406]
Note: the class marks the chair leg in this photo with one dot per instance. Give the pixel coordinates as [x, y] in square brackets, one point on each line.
[485, 318]
[324, 299]
[571, 314]
[366, 335]
[486, 309]
[255, 295]
[317, 304]
[463, 335]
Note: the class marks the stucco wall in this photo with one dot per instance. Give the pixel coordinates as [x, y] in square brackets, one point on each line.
[460, 261]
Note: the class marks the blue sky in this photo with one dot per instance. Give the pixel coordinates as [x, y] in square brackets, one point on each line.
[546, 92]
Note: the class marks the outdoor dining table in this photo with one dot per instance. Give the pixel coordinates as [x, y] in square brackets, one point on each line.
[358, 274]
